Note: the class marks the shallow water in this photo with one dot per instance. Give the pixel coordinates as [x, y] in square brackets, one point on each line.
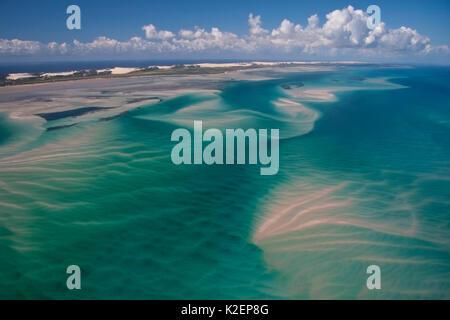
[364, 179]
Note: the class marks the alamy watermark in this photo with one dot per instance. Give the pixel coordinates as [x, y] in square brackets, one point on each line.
[374, 18]
[74, 20]
[74, 280]
[235, 140]
[374, 280]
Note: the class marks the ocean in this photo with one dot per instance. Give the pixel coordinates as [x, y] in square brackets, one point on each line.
[364, 179]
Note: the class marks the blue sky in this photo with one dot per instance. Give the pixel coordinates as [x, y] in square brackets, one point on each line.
[44, 21]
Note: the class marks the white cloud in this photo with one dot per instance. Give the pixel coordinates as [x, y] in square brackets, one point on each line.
[54, 47]
[199, 39]
[152, 33]
[343, 31]
[16, 46]
[404, 39]
[255, 25]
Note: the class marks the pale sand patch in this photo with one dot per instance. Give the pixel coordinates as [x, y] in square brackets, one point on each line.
[16, 76]
[263, 63]
[384, 81]
[24, 102]
[164, 67]
[286, 217]
[312, 94]
[327, 94]
[222, 65]
[120, 93]
[293, 109]
[201, 107]
[119, 70]
[56, 74]
[319, 94]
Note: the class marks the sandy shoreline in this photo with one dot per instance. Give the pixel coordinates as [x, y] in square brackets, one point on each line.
[16, 79]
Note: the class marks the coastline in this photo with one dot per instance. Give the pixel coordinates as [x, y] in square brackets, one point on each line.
[16, 79]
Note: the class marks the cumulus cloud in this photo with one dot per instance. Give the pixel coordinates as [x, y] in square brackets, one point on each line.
[343, 30]
[16, 46]
[55, 47]
[404, 39]
[152, 33]
[255, 25]
[346, 29]
[200, 39]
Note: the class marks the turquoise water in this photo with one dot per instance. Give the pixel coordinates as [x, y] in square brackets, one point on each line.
[364, 179]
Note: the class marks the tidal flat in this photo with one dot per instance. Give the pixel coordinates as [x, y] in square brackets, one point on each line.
[86, 179]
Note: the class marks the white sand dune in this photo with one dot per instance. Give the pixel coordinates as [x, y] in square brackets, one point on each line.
[16, 76]
[119, 70]
[164, 67]
[57, 74]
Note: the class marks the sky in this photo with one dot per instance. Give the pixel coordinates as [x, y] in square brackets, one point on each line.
[243, 30]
